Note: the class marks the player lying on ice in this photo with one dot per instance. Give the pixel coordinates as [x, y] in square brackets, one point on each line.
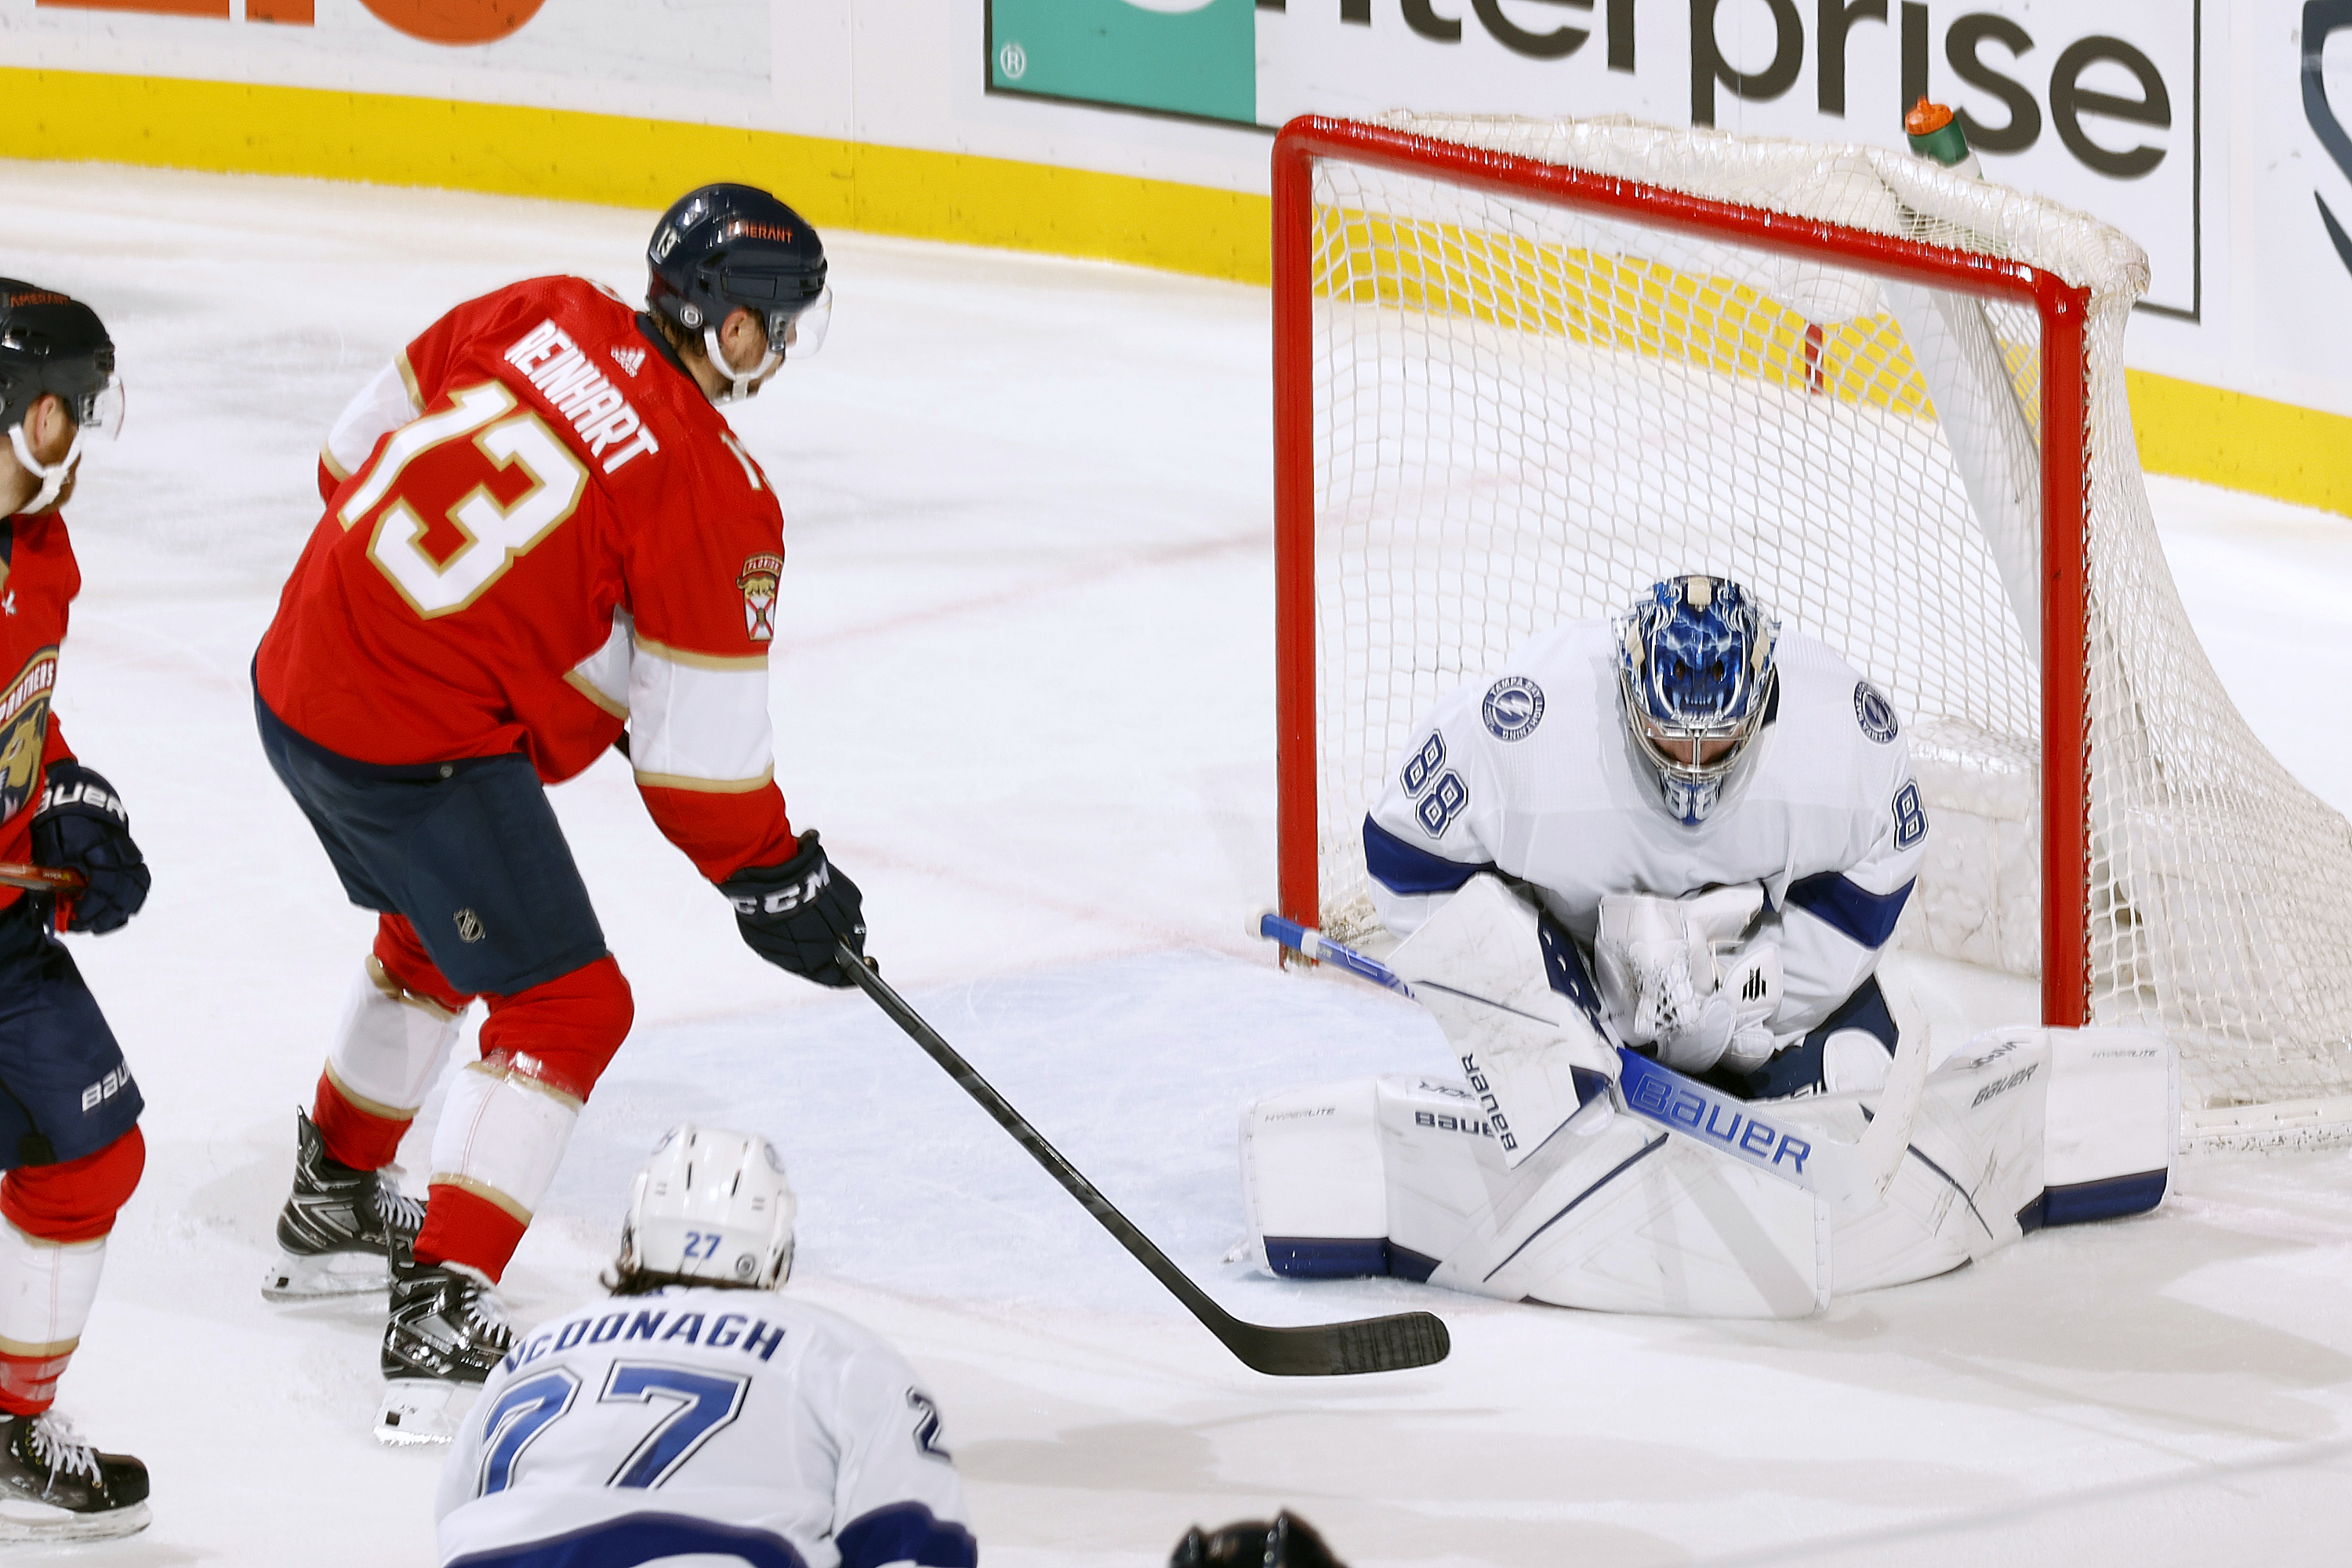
[777, 1432]
[539, 528]
[1687, 833]
[69, 1136]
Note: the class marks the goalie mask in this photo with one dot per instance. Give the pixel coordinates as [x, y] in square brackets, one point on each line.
[729, 247]
[1696, 666]
[710, 1207]
[51, 345]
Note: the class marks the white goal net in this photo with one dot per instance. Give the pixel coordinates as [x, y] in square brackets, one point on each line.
[1512, 400]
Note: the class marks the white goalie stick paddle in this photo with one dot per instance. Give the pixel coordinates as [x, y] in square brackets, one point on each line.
[1322, 1350]
[1850, 1176]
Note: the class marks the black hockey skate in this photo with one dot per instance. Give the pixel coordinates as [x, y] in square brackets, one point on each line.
[446, 1331]
[337, 1226]
[55, 1487]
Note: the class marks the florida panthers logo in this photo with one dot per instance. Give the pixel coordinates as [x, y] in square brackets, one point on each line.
[758, 581]
[24, 729]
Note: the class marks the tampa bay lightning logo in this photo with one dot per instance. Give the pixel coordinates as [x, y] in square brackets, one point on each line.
[1513, 708]
[1873, 712]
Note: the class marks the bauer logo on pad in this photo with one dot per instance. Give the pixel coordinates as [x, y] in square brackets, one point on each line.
[1513, 707]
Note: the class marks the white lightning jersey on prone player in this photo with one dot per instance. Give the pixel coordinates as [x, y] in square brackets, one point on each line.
[1535, 774]
[735, 1424]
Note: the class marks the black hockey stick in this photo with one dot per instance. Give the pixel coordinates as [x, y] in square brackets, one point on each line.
[1322, 1350]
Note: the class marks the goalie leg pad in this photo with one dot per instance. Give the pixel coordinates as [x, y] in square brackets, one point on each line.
[1510, 992]
[2113, 1123]
[1633, 1219]
[1375, 1176]
[1391, 1176]
[1971, 1176]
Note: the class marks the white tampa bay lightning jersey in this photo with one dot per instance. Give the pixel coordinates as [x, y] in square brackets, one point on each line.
[708, 1425]
[1535, 774]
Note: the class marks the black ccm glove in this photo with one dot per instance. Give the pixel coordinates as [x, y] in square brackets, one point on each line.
[82, 825]
[793, 914]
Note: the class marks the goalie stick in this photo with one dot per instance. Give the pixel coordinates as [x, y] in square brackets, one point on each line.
[1322, 1350]
[1851, 1176]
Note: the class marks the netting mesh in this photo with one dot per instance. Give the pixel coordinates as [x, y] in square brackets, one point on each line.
[1524, 411]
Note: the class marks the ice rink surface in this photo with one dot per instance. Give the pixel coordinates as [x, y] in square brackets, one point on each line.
[1023, 686]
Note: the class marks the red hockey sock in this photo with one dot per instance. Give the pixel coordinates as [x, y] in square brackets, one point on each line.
[28, 1384]
[363, 1140]
[76, 1200]
[462, 1226]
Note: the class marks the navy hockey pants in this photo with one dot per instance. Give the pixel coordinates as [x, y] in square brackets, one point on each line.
[65, 1089]
[468, 851]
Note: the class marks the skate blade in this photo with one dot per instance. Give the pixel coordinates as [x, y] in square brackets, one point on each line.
[420, 1410]
[21, 1519]
[295, 1279]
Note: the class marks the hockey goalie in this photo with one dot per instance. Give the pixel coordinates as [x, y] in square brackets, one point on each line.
[1644, 879]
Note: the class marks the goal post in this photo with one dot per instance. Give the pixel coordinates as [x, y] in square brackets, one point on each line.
[1521, 368]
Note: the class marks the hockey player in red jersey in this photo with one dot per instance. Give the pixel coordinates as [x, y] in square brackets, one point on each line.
[538, 530]
[69, 1110]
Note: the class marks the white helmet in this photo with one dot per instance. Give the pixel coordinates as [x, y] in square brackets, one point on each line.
[712, 1207]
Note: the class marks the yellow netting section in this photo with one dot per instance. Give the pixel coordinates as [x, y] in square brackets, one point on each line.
[1616, 302]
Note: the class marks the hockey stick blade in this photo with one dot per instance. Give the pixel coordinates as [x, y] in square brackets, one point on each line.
[1851, 1176]
[1322, 1350]
[41, 878]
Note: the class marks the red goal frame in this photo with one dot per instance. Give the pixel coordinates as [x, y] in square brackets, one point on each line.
[2064, 310]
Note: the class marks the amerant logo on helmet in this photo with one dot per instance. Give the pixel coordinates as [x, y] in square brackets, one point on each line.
[747, 229]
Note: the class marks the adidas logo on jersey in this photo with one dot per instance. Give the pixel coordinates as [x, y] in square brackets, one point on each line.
[629, 360]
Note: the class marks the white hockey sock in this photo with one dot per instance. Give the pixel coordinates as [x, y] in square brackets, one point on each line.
[46, 1291]
[501, 1137]
[388, 1045]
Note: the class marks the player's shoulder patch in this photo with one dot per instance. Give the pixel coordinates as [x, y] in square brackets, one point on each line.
[1873, 712]
[758, 581]
[1513, 707]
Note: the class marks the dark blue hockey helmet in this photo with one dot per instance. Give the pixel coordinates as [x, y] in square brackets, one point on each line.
[1695, 659]
[53, 345]
[729, 247]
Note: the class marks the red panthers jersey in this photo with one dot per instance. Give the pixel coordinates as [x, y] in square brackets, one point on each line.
[538, 530]
[39, 580]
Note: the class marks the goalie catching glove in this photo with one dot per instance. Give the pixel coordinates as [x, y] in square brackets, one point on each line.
[81, 825]
[793, 915]
[1665, 983]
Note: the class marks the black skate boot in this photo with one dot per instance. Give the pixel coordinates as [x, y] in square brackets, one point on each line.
[55, 1487]
[446, 1331]
[337, 1226]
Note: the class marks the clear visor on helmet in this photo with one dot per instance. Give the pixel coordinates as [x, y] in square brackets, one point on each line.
[796, 335]
[99, 413]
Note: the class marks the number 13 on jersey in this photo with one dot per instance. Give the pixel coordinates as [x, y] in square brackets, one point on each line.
[490, 534]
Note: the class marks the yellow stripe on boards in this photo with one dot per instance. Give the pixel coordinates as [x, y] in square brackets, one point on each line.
[80, 116]
[2241, 442]
[2194, 431]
